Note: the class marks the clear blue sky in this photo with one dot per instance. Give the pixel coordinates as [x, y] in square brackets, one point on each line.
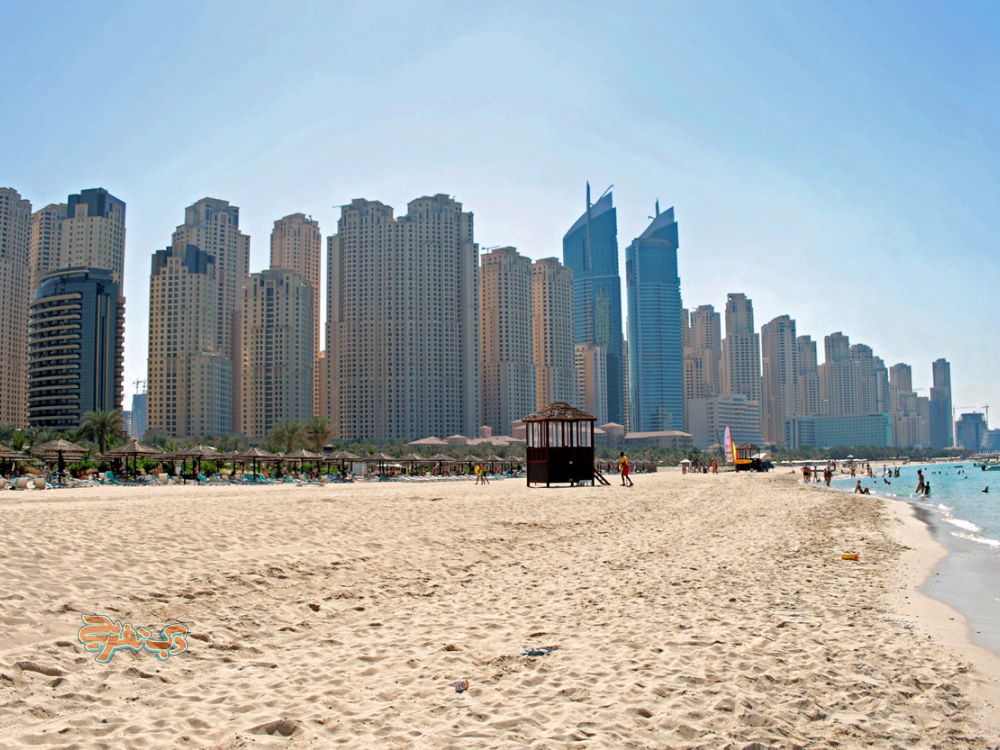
[837, 162]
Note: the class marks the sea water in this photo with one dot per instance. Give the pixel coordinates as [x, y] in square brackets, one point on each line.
[966, 521]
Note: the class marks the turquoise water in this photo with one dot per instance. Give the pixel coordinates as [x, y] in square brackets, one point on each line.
[966, 521]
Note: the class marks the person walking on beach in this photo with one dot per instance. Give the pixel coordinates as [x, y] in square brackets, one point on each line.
[623, 468]
[920, 484]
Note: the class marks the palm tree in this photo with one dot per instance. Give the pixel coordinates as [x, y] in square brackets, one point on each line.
[318, 433]
[103, 427]
[287, 434]
[7, 432]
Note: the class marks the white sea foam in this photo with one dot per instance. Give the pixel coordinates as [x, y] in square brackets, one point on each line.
[962, 524]
[978, 538]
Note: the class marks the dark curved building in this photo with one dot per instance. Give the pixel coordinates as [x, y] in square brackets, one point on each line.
[76, 337]
[590, 248]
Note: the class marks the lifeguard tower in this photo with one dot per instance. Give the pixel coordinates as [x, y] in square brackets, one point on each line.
[560, 447]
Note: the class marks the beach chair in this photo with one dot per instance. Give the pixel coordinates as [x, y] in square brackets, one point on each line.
[40, 483]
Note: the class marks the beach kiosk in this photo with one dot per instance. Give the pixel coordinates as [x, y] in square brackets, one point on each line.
[747, 458]
[560, 446]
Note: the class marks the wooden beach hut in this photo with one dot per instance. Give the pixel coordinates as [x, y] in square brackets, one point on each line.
[560, 448]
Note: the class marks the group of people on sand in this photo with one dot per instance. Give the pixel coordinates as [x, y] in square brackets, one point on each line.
[699, 468]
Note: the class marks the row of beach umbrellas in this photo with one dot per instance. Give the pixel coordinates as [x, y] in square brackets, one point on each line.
[62, 450]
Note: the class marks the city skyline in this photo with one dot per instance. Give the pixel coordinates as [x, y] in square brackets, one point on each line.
[824, 182]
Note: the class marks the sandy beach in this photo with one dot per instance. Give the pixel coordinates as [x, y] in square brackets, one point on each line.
[686, 612]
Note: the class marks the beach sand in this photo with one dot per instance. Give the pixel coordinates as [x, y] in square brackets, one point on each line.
[686, 612]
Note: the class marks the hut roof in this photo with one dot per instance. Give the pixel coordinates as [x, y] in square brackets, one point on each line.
[133, 448]
[9, 454]
[559, 410]
[301, 453]
[198, 451]
[255, 452]
[428, 441]
[54, 447]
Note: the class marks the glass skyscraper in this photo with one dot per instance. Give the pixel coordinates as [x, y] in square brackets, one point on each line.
[590, 248]
[655, 340]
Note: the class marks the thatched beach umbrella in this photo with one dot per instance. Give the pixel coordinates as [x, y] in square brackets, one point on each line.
[254, 455]
[9, 454]
[199, 453]
[302, 455]
[60, 450]
[132, 449]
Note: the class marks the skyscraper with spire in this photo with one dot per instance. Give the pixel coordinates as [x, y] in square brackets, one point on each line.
[656, 348]
[590, 248]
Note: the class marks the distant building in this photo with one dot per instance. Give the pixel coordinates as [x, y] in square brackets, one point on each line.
[941, 415]
[403, 321]
[138, 422]
[970, 431]
[872, 430]
[991, 441]
[507, 359]
[666, 439]
[276, 367]
[592, 380]
[656, 348]
[15, 294]
[702, 355]
[76, 340]
[741, 351]
[849, 376]
[213, 227]
[190, 386]
[93, 233]
[780, 359]
[590, 249]
[711, 415]
[900, 381]
[297, 246]
[552, 332]
[811, 402]
[46, 241]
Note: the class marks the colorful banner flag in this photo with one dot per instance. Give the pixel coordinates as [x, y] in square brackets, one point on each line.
[730, 448]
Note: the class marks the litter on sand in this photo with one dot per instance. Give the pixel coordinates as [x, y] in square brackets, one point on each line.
[538, 651]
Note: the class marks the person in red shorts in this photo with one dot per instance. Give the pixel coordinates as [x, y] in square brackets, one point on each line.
[623, 466]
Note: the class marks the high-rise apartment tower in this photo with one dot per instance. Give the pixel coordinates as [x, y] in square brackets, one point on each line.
[780, 360]
[508, 364]
[403, 321]
[15, 219]
[552, 331]
[277, 351]
[590, 248]
[190, 380]
[741, 350]
[656, 348]
[76, 346]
